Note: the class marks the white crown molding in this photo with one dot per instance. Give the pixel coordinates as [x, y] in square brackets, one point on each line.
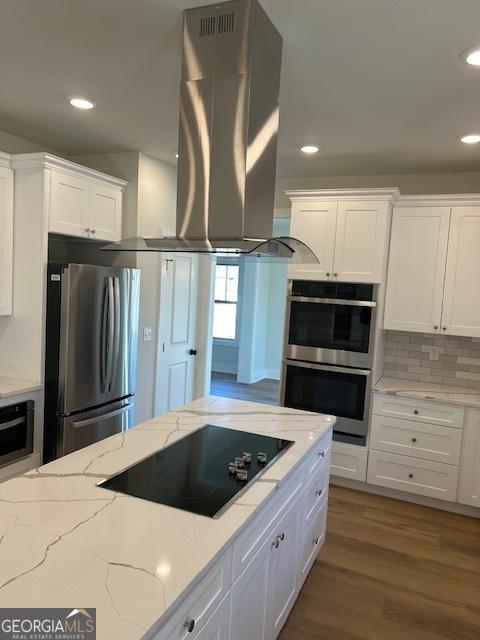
[5, 160]
[304, 195]
[442, 199]
[48, 161]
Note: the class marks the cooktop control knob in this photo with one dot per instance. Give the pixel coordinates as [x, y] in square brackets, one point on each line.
[240, 462]
[242, 474]
[232, 468]
[261, 457]
[247, 457]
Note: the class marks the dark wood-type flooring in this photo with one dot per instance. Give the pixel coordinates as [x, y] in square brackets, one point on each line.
[225, 384]
[390, 570]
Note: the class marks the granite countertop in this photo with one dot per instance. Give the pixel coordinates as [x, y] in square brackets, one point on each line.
[64, 542]
[15, 387]
[428, 391]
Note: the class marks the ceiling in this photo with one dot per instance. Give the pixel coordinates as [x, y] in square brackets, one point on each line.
[378, 83]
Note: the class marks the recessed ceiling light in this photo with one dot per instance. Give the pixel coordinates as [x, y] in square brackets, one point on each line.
[310, 148]
[81, 103]
[472, 138]
[471, 56]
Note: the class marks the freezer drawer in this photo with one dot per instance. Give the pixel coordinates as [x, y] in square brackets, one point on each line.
[82, 429]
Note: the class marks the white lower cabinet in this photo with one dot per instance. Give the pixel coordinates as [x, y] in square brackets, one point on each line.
[312, 543]
[469, 485]
[349, 461]
[216, 628]
[422, 477]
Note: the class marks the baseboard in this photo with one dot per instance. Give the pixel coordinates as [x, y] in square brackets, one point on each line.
[453, 507]
[272, 374]
[220, 368]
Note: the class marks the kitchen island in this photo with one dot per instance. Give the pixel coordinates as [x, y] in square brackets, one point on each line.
[153, 571]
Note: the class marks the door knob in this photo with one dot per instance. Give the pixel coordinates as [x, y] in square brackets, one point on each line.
[193, 352]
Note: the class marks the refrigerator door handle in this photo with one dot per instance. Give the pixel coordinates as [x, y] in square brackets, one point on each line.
[104, 416]
[116, 330]
[103, 339]
[110, 333]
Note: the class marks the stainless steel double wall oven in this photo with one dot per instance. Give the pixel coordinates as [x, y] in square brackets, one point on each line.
[328, 352]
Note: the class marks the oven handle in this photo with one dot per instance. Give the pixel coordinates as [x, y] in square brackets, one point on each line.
[12, 423]
[347, 303]
[325, 367]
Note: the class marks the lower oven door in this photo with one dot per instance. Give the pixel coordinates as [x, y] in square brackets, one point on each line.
[340, 391]
[16, 432]
[80, 430]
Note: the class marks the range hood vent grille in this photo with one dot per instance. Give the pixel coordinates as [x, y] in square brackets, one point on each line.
[226, 22]
[207, 26]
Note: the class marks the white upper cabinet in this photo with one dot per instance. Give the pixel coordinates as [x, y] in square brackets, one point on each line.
[361, 241]
[314, 223]
[416, 270]
[79, 201]
[348, 231]
[434, 268]
[461, 299]
[6, 235]
[68, 212]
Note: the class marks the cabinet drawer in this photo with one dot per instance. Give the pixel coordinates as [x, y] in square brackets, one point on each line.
[319, 458]
[349, 461]
[419, 411]
[425, 441]
[315, 495]
[405, 473]
[200, 603]
[312, 543]
[252, 538]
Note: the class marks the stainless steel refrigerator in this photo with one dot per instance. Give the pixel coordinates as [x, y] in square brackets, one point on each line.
[91, 352]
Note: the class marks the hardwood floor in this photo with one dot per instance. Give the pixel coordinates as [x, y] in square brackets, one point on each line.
[225, 384]
[390, 570]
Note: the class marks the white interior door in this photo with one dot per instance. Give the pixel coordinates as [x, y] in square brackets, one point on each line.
[177, 332]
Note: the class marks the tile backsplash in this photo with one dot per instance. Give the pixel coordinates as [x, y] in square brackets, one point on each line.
[451, 360]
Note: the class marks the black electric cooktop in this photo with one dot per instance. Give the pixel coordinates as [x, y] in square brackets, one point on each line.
[203, 472]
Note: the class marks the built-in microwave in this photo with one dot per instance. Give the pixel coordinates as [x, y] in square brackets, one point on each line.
[340, 391]
[16, 431]
[330, 322]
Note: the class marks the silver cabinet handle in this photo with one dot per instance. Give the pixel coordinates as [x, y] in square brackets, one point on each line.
[87, 230]
[444, 328]
[321, 454]
[328, 274]
[410, 475]
[414, 439]
[319, 492]
[416, 412]
[435, 326]
[335, 275]
[189, 625]
[93, 231]
[276, 542]
[316, 541]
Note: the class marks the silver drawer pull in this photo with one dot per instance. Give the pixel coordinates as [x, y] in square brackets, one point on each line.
[189, 625]
[276, 542]
[316, 541]
[414, 439]
[319, 492]
[416, 412]
[410, 475]
[321, 454]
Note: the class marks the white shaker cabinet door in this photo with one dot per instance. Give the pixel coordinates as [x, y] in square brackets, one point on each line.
[469, 486]
[314, 223]
[249, 600]
[6, 240]
[69, 203]
[461, 300]
[105, 212]
[416, 271]
[361, 240]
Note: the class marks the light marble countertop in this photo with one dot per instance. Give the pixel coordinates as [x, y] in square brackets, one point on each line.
[15, 387]
[428, 391]
[64, 542]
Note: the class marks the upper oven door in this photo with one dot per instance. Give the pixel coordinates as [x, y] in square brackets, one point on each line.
[330, 330]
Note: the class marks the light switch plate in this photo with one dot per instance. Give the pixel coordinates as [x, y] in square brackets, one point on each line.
[147, 334]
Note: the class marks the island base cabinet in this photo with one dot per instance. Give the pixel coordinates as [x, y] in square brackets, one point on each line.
[312, 543]
[469, 486]
[249, 599]
[216, 628]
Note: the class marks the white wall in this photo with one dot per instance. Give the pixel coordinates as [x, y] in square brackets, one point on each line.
[157, 192]
[224, 358]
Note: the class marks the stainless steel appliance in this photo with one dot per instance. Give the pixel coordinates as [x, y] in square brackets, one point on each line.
[16, 431]
[227, 147]
[330, 322]
[328, 353]
[340, 391]
[92, 326]
[203, 472]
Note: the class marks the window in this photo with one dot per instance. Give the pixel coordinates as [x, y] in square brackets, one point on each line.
[226, 302]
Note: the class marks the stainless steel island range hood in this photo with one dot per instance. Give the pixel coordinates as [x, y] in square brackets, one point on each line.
[231, 61]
